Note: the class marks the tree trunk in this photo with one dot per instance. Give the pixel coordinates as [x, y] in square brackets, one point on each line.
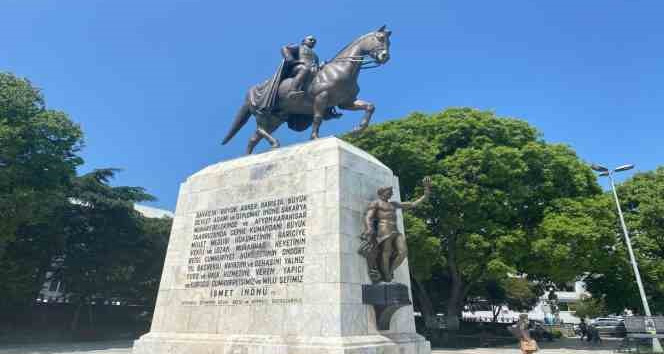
[454, 305]
[496, 311]
[425, 302]
[455, 302]
[426, 307]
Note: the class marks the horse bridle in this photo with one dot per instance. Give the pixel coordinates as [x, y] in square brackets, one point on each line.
[362, 59]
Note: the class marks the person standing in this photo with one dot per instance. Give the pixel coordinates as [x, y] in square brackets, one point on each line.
[593, 334]
[583, 327]
[522, 331]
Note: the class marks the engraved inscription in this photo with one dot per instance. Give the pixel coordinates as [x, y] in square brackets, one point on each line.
[249, 253]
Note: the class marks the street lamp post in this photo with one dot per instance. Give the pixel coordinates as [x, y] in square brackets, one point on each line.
[603, 171]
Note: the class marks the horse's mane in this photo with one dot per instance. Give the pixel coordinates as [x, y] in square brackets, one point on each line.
[352, 43]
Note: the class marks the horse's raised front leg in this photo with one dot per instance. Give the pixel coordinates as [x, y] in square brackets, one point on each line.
[320, 109]
[265, 134]
[365, 106]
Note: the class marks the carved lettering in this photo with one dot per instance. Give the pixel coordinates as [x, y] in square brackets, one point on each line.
[247, 253]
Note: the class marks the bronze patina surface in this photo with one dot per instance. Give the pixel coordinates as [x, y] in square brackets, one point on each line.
[303, 93]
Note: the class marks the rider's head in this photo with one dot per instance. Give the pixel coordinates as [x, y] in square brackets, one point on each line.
[309, 41]
[385, 193]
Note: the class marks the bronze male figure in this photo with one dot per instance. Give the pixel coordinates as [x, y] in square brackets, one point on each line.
[382, 243]
[303, 64]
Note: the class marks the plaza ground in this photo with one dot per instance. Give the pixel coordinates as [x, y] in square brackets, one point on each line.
[564, 346]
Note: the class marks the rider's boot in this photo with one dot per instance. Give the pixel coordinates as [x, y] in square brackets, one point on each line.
[296, 85]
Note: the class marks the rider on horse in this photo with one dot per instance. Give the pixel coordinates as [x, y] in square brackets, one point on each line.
[334, 84]
[300, 63]
[303, 63]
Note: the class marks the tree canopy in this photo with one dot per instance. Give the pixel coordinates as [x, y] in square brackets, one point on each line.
[102, 236]
[494, 180]
[612, 278]
[79, 230]
[38, 155]
[591, 307]
[593, 241]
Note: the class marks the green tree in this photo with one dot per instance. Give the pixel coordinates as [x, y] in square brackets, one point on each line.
[522, 295]
[427, 249]
[576, 238]
[26, 262]
[104, 240]
[642, 201]
[591, 307]
[496, 294]
[80, 230]
[149, 262]
[38, 156]
[493, 180]
[38, 159]
[586, 232]
[508, 292]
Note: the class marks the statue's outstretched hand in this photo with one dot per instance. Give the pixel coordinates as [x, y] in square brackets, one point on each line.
[426, 182]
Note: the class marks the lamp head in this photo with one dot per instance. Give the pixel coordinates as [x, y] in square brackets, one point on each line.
[624, 168]
[598, 168]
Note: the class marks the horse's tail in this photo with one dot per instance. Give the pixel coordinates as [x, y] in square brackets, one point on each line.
[241, 119]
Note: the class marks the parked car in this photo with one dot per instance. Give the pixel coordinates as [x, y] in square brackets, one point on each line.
[609, 326]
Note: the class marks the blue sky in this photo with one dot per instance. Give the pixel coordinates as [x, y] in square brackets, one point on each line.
[155, 84]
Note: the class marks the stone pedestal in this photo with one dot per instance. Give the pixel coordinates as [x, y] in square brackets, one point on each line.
[263, 259]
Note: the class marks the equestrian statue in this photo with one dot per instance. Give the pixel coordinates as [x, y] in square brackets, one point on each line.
[304, 93]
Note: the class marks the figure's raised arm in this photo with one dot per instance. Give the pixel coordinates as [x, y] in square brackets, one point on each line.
[426, 183]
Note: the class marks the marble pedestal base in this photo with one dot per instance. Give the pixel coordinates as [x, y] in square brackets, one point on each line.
[174, 343]
[263, 259]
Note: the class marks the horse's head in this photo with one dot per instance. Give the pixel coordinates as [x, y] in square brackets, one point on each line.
[377, 45]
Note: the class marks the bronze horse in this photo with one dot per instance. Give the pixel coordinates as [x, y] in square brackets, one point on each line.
[334, 85]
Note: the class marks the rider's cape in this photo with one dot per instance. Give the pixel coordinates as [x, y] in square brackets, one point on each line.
[263, 97]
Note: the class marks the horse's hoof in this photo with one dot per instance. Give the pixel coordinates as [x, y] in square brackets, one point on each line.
[274, 147]
[314, 137]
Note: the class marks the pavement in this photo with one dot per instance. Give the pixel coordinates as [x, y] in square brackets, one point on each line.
[109, 347]
[563, 346]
